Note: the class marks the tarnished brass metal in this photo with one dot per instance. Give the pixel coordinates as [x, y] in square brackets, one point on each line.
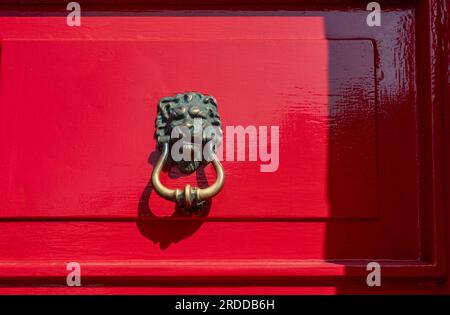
[185, 111]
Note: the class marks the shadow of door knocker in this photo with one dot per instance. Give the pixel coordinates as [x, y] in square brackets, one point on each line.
[188, 132]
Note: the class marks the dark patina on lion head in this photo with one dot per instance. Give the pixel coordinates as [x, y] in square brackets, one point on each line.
[185, 111]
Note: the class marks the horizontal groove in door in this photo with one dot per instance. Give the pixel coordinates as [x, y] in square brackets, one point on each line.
[212, 272]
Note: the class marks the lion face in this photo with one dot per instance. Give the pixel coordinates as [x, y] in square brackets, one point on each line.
[184, 112]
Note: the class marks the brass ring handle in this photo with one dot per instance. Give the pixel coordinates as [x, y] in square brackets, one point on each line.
[189, 195]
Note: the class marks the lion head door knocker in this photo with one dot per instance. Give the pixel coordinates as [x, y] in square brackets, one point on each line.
[188, 132]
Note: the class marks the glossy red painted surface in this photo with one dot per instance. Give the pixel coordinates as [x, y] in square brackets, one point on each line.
[360, 151]
[94, 140]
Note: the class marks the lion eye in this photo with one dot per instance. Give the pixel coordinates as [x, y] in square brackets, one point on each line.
[211, 112]
[178, 112]
[202, 114]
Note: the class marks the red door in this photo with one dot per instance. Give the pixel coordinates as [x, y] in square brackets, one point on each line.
[341, 162]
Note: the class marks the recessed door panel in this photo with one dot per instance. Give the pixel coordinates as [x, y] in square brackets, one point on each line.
[77, 125]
